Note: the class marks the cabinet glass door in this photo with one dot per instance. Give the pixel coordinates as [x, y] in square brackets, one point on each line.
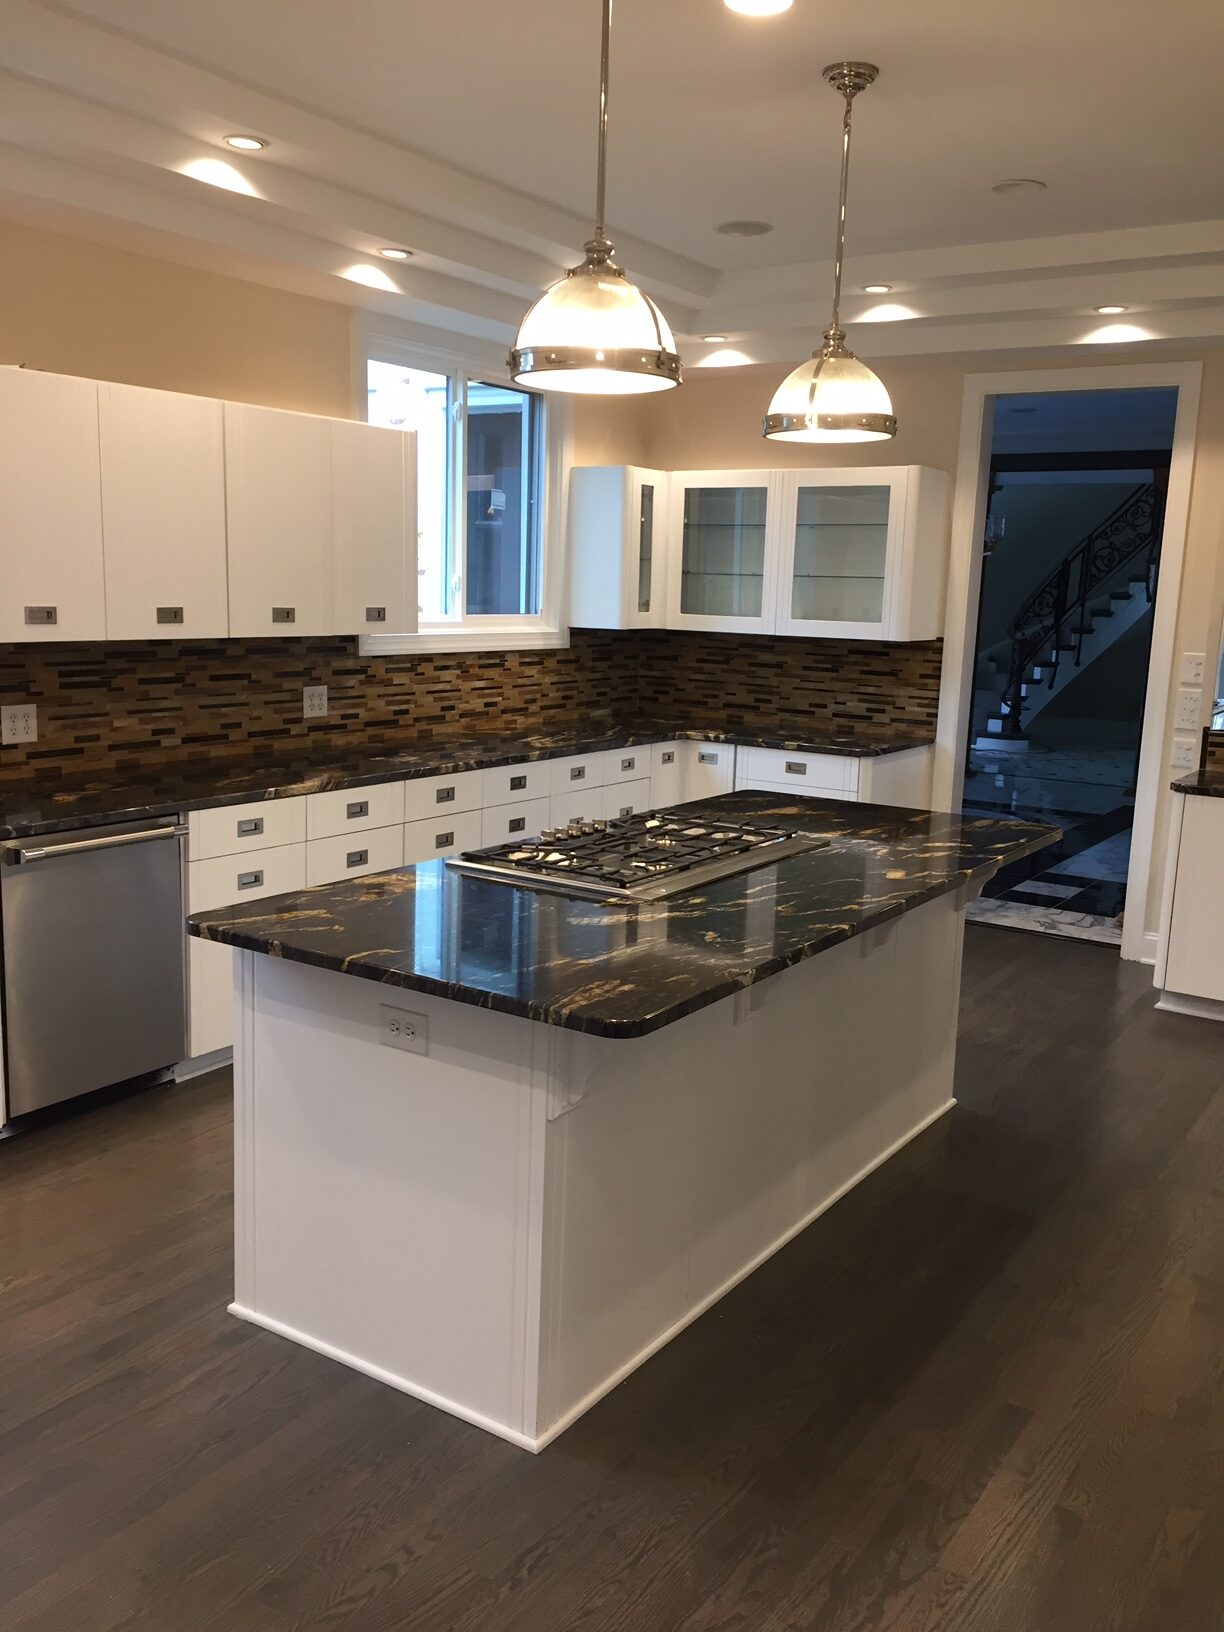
[645, 546]
[841, 554]
[722, 566]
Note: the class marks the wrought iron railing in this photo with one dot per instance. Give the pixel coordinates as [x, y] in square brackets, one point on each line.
[1058, 607]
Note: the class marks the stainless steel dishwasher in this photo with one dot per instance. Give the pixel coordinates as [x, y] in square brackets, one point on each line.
[94, 990]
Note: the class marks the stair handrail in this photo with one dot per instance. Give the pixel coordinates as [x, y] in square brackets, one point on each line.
[1130, 529]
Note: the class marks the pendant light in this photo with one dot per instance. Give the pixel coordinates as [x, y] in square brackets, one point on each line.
[593, 332]
[833, 397]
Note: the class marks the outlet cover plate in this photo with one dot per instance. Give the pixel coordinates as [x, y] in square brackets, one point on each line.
[1193, 668]
[1185, 754]
[18, 723]
[314, 702]
[400, 1028]
[1189, 710]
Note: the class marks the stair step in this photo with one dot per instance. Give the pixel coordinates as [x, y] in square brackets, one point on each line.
[1120, 595]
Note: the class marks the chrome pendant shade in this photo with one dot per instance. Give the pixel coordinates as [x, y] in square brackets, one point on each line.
[833, 397]
[593, 332]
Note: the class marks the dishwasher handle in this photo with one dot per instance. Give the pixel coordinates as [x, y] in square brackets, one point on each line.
[79, 847]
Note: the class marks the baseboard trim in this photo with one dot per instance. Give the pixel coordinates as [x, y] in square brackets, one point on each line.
[1202, 1008]
[202, 1063]
[695, 1313]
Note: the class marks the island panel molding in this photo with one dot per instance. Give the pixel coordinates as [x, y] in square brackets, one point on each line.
[112, 707]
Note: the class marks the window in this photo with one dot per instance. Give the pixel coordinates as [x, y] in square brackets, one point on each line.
[483, 457]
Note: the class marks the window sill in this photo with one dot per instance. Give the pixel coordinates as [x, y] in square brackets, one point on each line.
[492, 639]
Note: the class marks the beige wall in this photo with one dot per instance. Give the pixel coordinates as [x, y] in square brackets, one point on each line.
[72, 307]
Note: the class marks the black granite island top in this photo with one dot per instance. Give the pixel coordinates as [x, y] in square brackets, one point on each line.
[1207, 782]
[620, 970]
[30, 809]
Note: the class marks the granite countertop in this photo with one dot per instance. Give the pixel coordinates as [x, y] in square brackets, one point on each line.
[1209, 782]
[28, 810]
[619, 970]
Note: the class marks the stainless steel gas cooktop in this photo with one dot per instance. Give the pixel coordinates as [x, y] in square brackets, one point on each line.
[638, 858]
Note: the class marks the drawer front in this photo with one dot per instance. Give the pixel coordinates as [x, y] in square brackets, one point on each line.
[351, 810]
[708, 769]
[626, 798]
[626, 765]
[666, 774]
[221, 881]
[849, 794]
[573, 775]
[792, 768]
[507, 784]
[442, 836]
[521, 821]
[429, 796]
[234, 830]
[350, 855]
[586, 805]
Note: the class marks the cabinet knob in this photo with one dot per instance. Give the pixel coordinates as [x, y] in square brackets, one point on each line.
[42, 614]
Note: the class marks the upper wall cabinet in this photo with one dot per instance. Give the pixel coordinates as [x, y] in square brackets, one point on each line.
[722, 528]
[373, 529]
[278, 502]
[163, 514]
[618, 563]
[50, 508]
[863, 553]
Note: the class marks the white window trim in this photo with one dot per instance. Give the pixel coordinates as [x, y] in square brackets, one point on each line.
[547, 629]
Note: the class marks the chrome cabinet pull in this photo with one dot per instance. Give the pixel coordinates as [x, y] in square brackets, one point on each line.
[284, 614]
[443, 841]
[796, 767]
[669, 758]
[42, 614]
[517, 784]
[169, 614]
[577, 772]
[707, 759]
[250, 881]
[517, 824]
[628, 764]
[376, 614]
[249, 828]
[445, 796]
[359, 807]
[625, 810]
[357, 858]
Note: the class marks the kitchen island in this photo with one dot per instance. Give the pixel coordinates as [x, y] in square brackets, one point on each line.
[496, 1145]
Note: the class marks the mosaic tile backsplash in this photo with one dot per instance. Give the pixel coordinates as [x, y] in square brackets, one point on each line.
[127, 706]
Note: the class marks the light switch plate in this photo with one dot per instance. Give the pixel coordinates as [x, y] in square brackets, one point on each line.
[1193, 668]
[314, 702]
[18, 723]
[1189, 709]
[1185, 754]
[400, 1028]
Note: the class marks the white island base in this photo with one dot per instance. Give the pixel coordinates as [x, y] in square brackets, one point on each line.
[509, 1225]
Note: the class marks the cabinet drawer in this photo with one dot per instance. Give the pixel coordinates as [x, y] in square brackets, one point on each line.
[441, 835]
[351, 810]
[626, 765]
[583, 805]
[233, 830]
[349, 855]
[572, 775]
[520, 821]
[626, 798]
[428, 796]
[223, 880]
[506, 784]
[848, 795]
[793, 768]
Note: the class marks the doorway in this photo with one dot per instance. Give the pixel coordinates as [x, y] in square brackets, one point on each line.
[1071, 547]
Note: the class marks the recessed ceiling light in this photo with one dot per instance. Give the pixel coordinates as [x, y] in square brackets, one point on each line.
[744, 229]
[246, 144]
[714, 339]
[1110, 311]
[758, 8]
[877, 288]
[1019, 184]
[391, 254]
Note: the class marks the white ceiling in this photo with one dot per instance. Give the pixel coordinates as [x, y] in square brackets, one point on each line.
[466, 131]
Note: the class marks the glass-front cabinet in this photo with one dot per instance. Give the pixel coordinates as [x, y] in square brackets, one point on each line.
[618, 556]
[724, 551]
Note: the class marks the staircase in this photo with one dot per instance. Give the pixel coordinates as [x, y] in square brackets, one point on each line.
[1100, 589]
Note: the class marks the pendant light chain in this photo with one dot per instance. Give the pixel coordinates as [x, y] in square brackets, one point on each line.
[840, 256]
[601, 174]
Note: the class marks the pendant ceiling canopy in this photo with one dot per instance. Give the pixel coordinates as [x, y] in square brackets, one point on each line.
[593, 332]
[833, 397]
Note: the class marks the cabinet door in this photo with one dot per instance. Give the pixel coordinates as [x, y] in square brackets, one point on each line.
[163, 514]
[841, 536]
[724, 559]
[617, 524]
[666, 775]
[646, 556]
[1196, 934]
[373, 529]
[278, 501]
[707, 768]
[50, 508]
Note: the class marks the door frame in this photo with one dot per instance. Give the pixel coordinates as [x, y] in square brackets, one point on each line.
[965, 585]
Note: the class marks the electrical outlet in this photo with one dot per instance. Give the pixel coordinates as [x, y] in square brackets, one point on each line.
[19, 722]
[1193, 668]
[398, 1028]
[314, 702]
[1189, 707]
[1185, 754]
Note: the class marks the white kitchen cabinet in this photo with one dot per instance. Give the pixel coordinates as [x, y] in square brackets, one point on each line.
[233, 830]
[706, 768]
[50, 508]
[163, 514]
[354, 810]
[510, 784]
[279, 508]
[618, 558]
[427, 797]
[351, 855]
[625, 799]
[863, 553]
[443, 835]
[626, 764]
[374, 531]
[666, 778]
[576, 774]
[1190, 959]
[902, 778]
[723, 534]
[524, 820]
[585, 804]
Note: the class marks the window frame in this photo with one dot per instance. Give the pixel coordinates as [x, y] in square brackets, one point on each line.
[475, 632]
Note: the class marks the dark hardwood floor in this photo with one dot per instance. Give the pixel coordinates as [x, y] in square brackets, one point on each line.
[980, 1395]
